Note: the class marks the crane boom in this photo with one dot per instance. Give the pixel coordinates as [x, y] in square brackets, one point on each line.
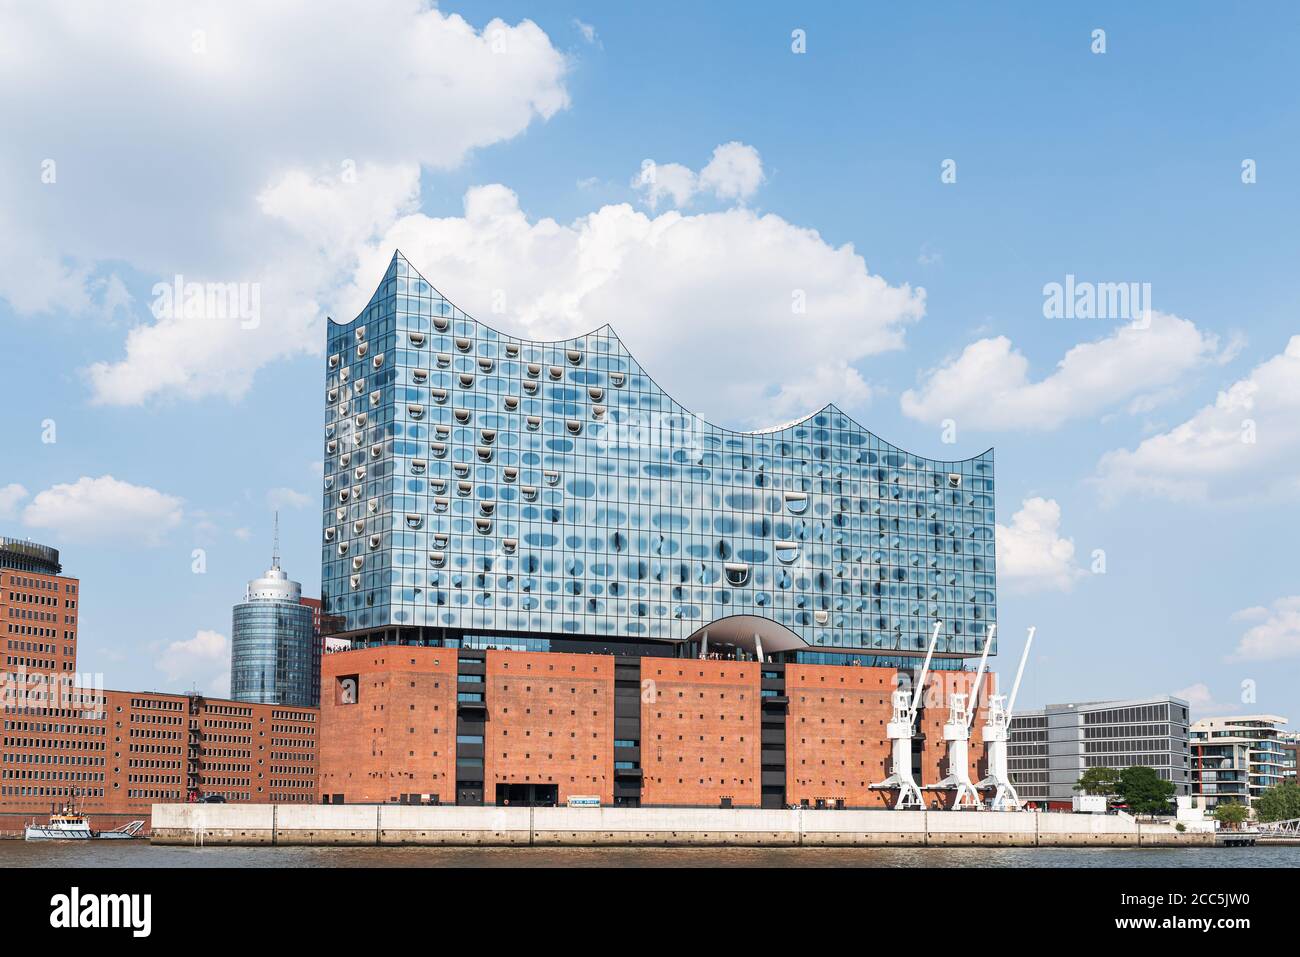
[925, 669]
[901, 731]
[1020, 673]
[979, 677]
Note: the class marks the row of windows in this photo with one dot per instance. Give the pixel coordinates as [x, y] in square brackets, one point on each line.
[1123, 746]
[39, 584]
[75, 759]
[1154, 760]
[1146, 712]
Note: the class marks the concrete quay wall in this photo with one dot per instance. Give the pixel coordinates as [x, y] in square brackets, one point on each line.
[392, 824]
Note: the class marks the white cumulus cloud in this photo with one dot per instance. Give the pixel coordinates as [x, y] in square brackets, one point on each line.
[1203, 702]
[1198, 695]
[10, 496]
[734, 173]
[104, 508]
[1274, 631]
[988, 386]
[287, 498]
[1244, 446]
[254, 122]
[659, 181]
[1031, 553]
[730, 311]
[320, 219]
[201, 662]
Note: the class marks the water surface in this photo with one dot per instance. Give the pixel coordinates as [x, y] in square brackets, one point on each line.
[143, 854]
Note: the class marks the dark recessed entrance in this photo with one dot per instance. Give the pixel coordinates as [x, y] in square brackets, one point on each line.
[528, 795]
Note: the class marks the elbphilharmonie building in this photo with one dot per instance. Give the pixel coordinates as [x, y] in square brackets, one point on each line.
[486, 491]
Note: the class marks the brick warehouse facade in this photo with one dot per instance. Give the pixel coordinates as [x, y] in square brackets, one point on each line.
[700, 732]
[38, 609]
[550, 720]
[115, 753]
[118, 752]
[417, 724]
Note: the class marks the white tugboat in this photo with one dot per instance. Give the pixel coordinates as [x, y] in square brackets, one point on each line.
[69, 824]
[65, 824]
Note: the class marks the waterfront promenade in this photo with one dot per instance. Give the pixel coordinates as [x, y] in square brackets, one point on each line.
[395, 824]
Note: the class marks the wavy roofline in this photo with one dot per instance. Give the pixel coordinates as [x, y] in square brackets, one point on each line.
[771, 430]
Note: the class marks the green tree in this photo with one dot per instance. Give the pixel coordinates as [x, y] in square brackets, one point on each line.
[1280, 803]
[1231, 814]
[1099, 781]
[1144, 791]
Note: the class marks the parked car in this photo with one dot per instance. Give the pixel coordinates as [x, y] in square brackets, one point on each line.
[212, 799]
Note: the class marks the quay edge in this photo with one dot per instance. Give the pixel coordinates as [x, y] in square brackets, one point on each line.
[395, 825]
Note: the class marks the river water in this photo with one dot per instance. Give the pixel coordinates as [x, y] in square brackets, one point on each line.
[143, 854]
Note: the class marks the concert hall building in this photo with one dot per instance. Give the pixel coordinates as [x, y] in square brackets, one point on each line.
[555, 581]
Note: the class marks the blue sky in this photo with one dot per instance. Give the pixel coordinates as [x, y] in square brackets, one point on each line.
[294, 149]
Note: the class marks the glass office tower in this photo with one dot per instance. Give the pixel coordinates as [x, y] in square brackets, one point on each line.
[274, 654]
[482, 490]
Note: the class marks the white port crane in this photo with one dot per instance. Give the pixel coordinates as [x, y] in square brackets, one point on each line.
[997, 729]
[901, 728]
[956, 731]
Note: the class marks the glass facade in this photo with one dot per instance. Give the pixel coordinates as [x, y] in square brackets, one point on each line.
[274, 654]
[477, 483]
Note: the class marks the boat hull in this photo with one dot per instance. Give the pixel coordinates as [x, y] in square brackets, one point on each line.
[36, 832]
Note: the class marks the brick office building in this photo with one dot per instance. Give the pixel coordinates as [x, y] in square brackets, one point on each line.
[418, 724]
[38, 609]
[115, 753]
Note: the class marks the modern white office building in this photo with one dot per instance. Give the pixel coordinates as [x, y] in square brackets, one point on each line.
[1238, 757]
[1051, 747]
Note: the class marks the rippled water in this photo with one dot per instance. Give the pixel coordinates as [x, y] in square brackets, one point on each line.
[143, 854]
